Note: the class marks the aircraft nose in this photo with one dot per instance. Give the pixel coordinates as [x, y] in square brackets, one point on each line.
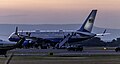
[14, 39]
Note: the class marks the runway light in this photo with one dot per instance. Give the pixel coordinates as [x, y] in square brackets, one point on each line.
[105, 48]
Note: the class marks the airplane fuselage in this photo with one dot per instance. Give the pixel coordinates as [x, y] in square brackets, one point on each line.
[52, 35]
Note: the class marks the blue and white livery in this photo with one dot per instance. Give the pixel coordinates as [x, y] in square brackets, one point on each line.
[60, 36]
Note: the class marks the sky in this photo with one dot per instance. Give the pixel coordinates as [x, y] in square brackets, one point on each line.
[60, 12]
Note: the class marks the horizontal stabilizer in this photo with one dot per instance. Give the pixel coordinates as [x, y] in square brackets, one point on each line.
[101, 34]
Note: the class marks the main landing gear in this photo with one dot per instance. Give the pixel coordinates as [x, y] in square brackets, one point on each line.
[75, 48]
[117, 49]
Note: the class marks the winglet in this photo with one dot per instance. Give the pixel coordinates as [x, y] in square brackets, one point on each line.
[16, 31]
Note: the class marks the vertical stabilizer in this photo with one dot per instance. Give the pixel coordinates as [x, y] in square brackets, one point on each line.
[88, 24]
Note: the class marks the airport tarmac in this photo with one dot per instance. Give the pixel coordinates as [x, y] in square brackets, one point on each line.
[62, 56]
[64, 52]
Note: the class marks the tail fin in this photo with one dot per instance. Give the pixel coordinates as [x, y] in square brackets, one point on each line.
[88, 24]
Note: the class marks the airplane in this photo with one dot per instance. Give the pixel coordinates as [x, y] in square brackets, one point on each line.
[60, 37]
[4, 49]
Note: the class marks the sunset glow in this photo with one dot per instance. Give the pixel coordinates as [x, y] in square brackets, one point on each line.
[59, 4]
[57, 11]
